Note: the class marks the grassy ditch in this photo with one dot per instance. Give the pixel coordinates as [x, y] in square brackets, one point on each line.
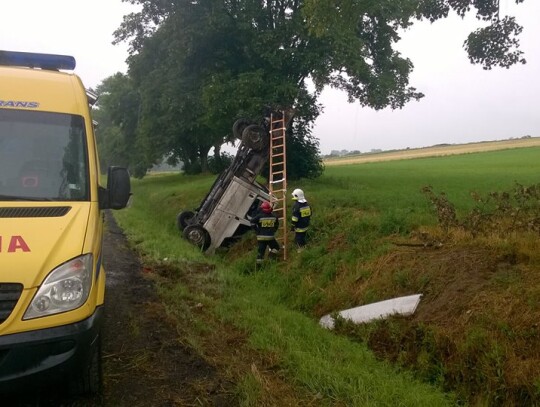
[375, 236]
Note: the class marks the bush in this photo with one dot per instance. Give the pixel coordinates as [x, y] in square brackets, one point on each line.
[217, 166]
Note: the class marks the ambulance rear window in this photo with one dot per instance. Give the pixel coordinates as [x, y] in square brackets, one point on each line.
[43, 156]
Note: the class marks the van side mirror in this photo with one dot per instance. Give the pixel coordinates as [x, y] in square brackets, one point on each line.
[118, 191]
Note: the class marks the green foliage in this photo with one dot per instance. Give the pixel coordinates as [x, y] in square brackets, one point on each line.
[196, 66]
[258, 302]
[446, 212]
[496, 44]
[498, 213]
[206, 65]
[116, 112]
[249, 390]
[357, 209]
[304, 152]
[335, 368]
[218, 165]
[394, 223]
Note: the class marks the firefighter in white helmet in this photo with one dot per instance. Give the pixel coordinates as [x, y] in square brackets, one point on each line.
[301, 215]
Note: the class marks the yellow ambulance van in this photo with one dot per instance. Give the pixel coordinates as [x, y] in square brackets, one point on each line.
[52, 281]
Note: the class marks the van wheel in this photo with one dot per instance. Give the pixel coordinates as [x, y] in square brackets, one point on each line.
[89, 380]
[198, 236]
[183, 219]
[239, 126]
[255, 137]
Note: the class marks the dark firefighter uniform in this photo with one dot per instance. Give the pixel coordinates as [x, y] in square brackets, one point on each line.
[301, 215]
[266, 225]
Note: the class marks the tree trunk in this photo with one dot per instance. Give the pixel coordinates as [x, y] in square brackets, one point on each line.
[204, 158]
[217, 151]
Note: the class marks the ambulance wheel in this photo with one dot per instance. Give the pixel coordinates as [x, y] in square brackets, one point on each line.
[197, 235]
[255, 137]
[183, 219]
[89, 380]
[239, 126]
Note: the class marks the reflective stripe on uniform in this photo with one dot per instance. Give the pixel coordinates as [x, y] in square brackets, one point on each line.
[263, 237]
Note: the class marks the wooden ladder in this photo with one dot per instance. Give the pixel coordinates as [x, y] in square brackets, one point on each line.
[278, 175]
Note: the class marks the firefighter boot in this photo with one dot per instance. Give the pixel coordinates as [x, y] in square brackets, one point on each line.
[273, 254]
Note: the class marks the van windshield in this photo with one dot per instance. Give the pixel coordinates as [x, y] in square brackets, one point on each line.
[43, 156]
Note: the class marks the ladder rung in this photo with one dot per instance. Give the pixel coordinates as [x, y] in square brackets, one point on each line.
[278, 167]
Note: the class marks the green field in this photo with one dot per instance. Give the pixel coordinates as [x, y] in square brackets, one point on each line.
[360, 212]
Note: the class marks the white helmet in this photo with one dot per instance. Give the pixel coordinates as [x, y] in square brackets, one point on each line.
[298, 195]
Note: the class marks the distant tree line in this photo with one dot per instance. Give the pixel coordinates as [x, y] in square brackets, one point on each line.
[196, 66]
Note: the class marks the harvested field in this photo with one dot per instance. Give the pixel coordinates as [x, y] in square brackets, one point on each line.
[435, 151]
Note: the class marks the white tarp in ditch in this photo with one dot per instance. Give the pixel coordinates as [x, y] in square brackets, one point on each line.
[378, 310]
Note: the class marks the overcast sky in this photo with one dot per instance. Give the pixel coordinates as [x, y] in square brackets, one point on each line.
[463, 103]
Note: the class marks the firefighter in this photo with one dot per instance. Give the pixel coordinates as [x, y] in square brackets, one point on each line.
[266, 224]
[301, 215]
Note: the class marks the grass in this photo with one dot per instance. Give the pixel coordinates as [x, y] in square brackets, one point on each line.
[360, 213]
[313, 357]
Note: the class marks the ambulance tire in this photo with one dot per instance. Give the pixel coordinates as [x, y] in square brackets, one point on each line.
[183, 220]
[197, 236]
[255, 137]
[89, 380]
[239, 126]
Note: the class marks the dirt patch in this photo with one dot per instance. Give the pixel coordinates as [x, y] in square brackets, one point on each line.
[146, 363]
[145, 360]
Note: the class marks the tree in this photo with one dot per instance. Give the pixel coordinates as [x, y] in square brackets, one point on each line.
[117, 114]
[200, 64]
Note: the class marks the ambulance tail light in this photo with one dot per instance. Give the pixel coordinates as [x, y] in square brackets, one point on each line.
[65, 288]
